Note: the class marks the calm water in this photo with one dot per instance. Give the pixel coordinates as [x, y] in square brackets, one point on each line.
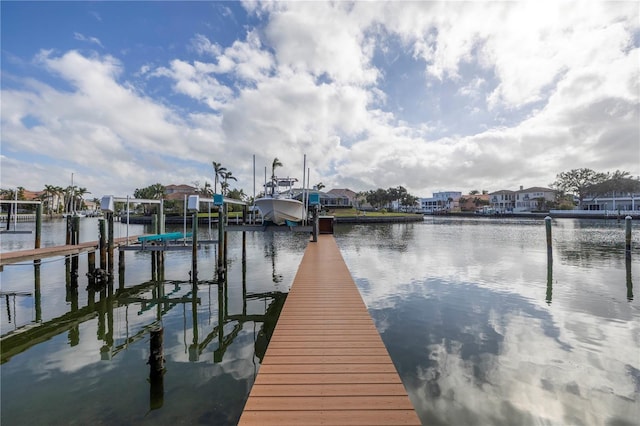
[483, 333]
[481, 330]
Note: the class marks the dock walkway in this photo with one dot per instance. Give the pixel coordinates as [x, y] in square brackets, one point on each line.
[8, 258]
[326, 363]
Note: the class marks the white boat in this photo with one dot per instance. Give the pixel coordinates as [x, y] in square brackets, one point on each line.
[277, 207]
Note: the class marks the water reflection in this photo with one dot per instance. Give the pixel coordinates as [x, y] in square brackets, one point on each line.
[90, 336]
[485, 327]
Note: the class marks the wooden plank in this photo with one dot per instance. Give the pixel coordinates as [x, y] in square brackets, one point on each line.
[326, 368]
[276, 403]
[326, 363]
[370, 417]
[329, 389]
[325, 378]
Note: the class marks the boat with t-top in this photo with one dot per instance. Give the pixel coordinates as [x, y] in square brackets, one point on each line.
[277, 206]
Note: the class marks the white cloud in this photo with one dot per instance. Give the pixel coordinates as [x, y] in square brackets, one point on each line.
[303, 81]
[93, 40]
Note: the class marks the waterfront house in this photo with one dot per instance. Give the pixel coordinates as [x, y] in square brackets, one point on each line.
[534, 199]
[440, 202]
[622, 194]
[473, 203]
[348, 197]
[503, 201]
[177, 192]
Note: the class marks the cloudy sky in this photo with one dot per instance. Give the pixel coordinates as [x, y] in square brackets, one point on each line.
[429, 95]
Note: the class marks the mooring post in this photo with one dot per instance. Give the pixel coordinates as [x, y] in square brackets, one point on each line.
[75, 240]
[226, 218]
[220, 241]
[154, 223]
[76, 230]
[38, 227]
[627, 235]
[121, 257]
[91, 262]
[194, 247]
[37, 293]
[244, 247]
[110, 243]
[547, 224]
[9, 209]
[156, 368]
[316, 224]
[67, 240]
[102, 244]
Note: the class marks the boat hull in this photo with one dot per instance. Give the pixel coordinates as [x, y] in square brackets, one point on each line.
[279, 210]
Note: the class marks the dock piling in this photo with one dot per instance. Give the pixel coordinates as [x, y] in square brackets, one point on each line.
[110, 242]
[547, 224]
[38, 225]
[194, 247]
[102, 246]
[627, 224]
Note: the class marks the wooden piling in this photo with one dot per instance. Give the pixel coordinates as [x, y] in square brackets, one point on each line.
[102, 244]
[221, 267]
[91, 262]
[38, 225]
[110, 242]
[194, 247]
[547, 224]
[627, 237]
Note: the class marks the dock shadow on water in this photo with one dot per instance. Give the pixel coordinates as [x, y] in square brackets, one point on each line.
[485, 330]
[146, 346]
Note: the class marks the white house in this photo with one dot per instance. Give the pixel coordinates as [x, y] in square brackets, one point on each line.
[503, 201]
[440, 202]
[533, 198]
[625, 199]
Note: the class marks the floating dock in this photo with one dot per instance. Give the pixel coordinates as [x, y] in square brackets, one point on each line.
[326, 363]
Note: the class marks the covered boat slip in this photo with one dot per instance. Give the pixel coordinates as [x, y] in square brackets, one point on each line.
[326, 363]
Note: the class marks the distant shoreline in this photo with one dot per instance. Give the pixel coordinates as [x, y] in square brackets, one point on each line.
[542, 215]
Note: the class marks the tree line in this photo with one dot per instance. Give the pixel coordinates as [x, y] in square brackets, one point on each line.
[582, 182]
[384, 198]
[55, 199]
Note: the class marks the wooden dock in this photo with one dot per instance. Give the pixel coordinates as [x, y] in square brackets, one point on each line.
[326, 363]
[45, 252]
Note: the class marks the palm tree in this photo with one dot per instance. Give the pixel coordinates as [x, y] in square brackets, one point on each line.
[276, 163]
[218, 172]
[49, 192]
[206, 190]
[227, 176]
[78, 201]
[319, 186]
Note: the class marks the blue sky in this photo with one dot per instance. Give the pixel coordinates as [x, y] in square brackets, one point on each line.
[429, 95]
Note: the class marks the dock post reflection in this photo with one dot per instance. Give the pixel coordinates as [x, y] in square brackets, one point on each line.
[37, 293]
[549, 278]
[547, 225]
[110, 242]
[629, 282]
[156, 368]
[194, 248]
